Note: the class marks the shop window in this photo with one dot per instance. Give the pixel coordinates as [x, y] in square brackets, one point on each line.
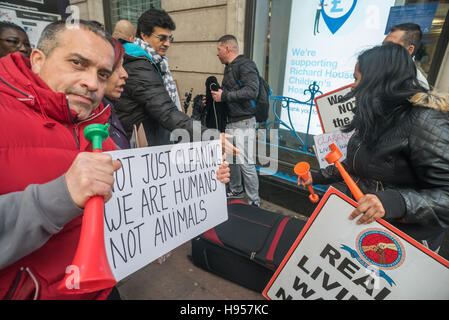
[431, 42]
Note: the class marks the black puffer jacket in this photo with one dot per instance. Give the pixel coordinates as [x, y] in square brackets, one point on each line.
[240, 97]
[145, 100]
[408, 169]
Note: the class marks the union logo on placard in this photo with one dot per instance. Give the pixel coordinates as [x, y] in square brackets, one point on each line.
[380, 248]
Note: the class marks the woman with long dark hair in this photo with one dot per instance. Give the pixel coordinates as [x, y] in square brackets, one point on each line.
[399, 152]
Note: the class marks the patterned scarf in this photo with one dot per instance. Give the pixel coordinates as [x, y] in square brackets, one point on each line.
[162, 62]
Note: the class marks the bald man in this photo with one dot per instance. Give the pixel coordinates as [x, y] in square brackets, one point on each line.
[124, 30]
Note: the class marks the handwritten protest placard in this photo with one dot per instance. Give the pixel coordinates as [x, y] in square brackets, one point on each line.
[334, 114]
[323, 141]
[335, 258]
[163, 196]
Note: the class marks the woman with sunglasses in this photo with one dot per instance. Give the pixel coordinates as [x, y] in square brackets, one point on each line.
[13, 38]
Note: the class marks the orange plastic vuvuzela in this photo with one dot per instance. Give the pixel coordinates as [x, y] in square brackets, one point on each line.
[302, 169]
[90, 266]
[333, 157]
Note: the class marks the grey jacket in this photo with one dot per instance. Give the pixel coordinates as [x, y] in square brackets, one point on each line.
[29, 218]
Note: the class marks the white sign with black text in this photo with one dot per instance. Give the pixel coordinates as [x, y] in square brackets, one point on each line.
[163, 197]
[334, 114]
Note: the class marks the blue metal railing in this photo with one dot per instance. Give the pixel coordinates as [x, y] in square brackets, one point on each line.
[303, 144]
[286, 102]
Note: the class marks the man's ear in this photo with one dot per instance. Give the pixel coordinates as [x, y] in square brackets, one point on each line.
[411, 49]
[37, 59]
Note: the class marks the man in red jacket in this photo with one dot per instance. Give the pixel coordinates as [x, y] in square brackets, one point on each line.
[47, 172]
[45, 104]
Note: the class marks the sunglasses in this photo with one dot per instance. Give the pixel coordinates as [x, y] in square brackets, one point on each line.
[164, 38]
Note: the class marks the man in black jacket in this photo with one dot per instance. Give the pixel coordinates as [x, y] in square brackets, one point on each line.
[150, 97]
[239, 91]
[146, 99]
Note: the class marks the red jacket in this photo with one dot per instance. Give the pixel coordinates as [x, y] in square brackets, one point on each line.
[39, 139]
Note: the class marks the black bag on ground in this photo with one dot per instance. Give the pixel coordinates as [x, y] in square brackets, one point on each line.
[248, 247]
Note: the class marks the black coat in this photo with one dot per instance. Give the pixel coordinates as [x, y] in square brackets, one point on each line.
[408, 169]
[237, 95]
[216, 116]
[145, 100]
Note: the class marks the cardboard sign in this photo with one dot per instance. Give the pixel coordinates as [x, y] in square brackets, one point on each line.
[163, 196]
[334, 258]
[333, 113]
[323, 141]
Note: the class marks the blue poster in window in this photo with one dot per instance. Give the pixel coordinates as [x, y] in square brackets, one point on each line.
[421, 14]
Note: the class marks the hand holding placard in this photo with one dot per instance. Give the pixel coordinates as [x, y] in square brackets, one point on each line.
[302, 169]
[91, 261]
